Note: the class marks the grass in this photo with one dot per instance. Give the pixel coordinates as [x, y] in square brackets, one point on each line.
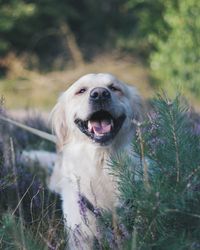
[30, 216]
[36, 90]
[31, 89]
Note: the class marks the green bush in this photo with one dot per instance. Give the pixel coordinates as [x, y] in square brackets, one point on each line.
[159, 183]
[13, 14]
[35, 26]
[147, 21]
[176, 61]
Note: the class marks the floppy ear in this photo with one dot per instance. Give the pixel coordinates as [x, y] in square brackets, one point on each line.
[59, 126]
[136, 104]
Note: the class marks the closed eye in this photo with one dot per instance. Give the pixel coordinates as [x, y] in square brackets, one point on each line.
[113, 88]
[81, 91]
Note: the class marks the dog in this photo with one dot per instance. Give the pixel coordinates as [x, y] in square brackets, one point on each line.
[92, 121]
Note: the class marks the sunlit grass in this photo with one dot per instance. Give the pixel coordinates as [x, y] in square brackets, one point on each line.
[37, 90]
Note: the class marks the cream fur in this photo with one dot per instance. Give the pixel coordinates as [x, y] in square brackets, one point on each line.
[82, 164]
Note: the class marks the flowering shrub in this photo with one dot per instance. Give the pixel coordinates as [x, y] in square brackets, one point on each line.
[30, 216]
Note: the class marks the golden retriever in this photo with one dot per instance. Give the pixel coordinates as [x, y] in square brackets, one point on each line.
[92, 121]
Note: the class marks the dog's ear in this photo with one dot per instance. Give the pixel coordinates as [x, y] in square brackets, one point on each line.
[59, 124]
[136, 104]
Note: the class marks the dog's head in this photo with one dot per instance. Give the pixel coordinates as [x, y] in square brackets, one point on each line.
[98, 108]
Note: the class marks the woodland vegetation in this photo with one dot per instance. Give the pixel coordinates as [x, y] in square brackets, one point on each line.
[159, 184]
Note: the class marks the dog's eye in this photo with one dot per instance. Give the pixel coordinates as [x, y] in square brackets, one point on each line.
[81, 91]
[113, 88]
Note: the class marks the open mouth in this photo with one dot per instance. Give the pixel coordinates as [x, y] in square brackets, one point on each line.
[101, 126]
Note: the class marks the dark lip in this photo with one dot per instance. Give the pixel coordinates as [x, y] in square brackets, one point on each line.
[103, 140]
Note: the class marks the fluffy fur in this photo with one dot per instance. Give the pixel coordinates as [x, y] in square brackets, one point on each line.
[82, 165]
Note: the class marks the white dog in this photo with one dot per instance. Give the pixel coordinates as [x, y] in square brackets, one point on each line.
[92, 121]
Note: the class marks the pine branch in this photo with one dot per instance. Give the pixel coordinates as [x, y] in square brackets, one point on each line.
[159, 183]
[142, 156]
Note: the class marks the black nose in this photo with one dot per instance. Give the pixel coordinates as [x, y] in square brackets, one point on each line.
[99, 94]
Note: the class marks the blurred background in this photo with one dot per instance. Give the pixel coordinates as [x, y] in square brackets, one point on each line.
[45, 45]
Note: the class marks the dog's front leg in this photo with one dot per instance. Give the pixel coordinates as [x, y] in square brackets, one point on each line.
[79, 221]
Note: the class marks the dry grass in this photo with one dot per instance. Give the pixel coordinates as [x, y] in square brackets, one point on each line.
[35, 90]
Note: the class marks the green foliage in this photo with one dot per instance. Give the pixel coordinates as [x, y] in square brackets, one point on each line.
[147, 21]
[14, 235]
[176, 61]
[160, 190]
[168, 31]
[34, 26]
[12, 14]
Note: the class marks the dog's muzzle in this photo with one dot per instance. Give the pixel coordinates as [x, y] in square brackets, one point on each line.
[101, 126]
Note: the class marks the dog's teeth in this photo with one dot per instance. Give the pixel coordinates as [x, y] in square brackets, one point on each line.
[112, 123]
[90, 126]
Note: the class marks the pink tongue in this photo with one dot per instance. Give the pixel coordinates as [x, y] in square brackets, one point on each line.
[100, 127]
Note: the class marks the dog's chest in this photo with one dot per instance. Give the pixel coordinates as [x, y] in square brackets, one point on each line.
[90, 175]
